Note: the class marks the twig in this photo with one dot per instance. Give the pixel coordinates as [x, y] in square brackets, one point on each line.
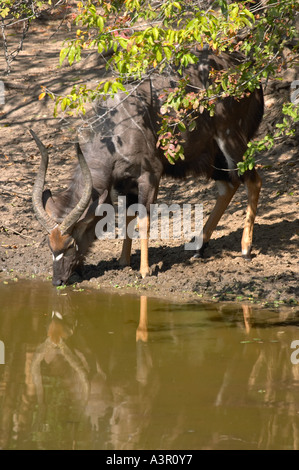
[15, 193]
[5, 46]
[5, 227]
[10, 57]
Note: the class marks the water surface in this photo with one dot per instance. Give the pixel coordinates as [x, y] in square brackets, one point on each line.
[94, 370]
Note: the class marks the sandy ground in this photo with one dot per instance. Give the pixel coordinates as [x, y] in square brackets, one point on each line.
[271, 278]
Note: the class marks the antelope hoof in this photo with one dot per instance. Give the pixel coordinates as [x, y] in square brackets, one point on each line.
[200, 253]
[145, 273]
[246, 254]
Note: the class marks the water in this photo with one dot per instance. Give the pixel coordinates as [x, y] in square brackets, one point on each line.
[94, 370]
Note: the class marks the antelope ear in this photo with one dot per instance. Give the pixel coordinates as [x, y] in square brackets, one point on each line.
[102, 198]
[90, 214]
[49, 204]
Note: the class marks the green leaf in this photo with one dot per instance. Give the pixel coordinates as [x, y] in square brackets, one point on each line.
[168, 53]
[63, 54]
[100, 23]
[123, 42]
[100, 47]
[155, 33]
[4, 12]
[182, 126]
[134, 49]
[177, 5]
[71, 54]
[64, 103]
[106, 87]
[192, 126]
[159, 56]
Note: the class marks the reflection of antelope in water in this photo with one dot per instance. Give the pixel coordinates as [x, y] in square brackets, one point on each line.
[54, 346]
[87, 382]
[129, 404]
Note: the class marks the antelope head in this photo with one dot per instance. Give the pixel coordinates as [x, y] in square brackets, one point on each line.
[70, 236]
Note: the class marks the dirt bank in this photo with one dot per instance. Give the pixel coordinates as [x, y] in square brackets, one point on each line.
[270, 278]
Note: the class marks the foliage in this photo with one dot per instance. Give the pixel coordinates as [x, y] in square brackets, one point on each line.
[140, 37]
[15, 13]
[285, 128]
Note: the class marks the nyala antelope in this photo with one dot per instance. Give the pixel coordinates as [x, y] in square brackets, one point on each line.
[119, 155]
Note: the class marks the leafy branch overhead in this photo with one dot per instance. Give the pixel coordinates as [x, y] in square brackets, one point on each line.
[143, 37]
[139, 38]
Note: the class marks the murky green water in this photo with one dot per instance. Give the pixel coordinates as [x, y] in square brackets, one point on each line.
[91, 370]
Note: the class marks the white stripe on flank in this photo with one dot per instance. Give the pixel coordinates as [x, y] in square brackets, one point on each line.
[221, 145]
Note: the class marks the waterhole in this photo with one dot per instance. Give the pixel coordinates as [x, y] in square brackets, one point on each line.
[95, 370]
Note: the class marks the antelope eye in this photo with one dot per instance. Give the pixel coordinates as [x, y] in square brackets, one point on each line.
[71, 248]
